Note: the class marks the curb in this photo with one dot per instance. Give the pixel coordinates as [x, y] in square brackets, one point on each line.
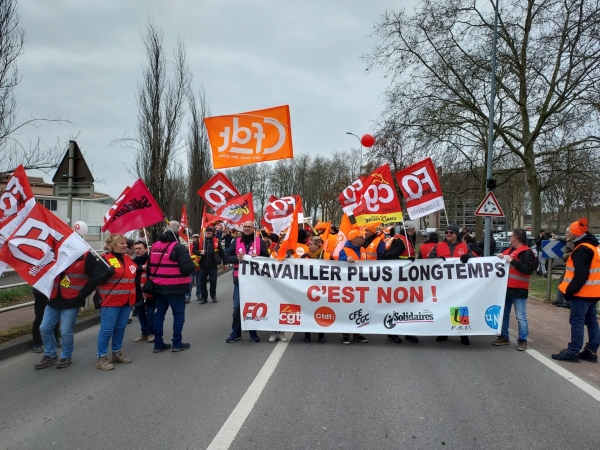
[24, 343]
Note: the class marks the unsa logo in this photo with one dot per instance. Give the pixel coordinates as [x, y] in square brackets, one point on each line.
[492, 316]
[248, 140]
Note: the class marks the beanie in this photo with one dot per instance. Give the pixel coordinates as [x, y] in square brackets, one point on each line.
[372, 227]
[453, 228]
[579, 227]
[356, 232]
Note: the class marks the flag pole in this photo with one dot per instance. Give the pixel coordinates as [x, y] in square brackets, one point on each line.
[94, 251]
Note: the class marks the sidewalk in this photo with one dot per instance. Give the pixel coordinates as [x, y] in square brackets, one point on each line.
[16, 317]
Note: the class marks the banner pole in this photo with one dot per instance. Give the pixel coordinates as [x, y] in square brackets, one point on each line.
[447, 219]
[146, 236]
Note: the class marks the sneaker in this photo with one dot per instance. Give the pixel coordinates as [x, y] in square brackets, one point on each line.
[58, 343]
[183, 346]
[464, 340]
[273, 336]
[413, 339]
[103, 364]
[198, 298]
[203, 301]
[141, 338]
[281, 336]
[565, 355]
[134, 312]
[150, 338]
[37, 349]
[441, 338]
[45, 362]
[307, 340]
[214, 299]
[129, 321]
[522, 346]
[64, 362]
[393, 338]
[255, 339]
[187, 300]
[232, 338]
[163, 348]
[346, 340]
[117, 357]
[501, 340]
[321, 340]
[587, 355]
[360, 338]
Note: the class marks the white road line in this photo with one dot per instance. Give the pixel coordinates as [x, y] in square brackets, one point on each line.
[231, 427]
[585, 387]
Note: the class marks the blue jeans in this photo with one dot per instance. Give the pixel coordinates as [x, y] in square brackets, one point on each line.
[145, 313]
[113, 320]
[583, 313]
[237, 316]
[195, 279]
[205, 273]
[521, 313]
[67, 318]
[177, 304]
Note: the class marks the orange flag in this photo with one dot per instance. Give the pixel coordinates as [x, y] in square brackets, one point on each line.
[291, 237]
[342, 235]
[250, 137]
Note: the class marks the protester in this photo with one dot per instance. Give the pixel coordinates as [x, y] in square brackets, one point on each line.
[541, 269]
[581, 286]
[116, 285]
[569, 247]
[481, 244]
[248, 244]
[227, 239]
[522, 264]
[428, 245]
[472, 245]
[211, 256]
[402, 245]
[374, 244]
[69, 292]
[301, 247]
[39, 306]
[169, 268]
[196, 274]
[451, 247]
[144, 303]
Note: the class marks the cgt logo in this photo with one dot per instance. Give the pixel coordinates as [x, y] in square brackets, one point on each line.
[324, 316]
[492, 317]
[459, 318]
[289, 314]
[255, 311]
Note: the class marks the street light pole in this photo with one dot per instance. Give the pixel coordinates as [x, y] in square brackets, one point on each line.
[361, 147]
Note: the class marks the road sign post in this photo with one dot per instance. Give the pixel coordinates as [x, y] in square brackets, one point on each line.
[552, 248]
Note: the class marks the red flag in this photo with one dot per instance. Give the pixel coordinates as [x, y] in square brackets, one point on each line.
[41, 247]
[291, 237]
[15, 203]
[421, 188]
[378, 200]
[218, 191]
[237, 210]
[279, 212]
[183, 225]
[135, 208]
[350, 197]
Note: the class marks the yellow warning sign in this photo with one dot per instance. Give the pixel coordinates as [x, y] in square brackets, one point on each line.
[65, 282]
[115, 263]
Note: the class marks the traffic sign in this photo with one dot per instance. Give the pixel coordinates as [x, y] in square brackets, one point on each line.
[81, 171]
[553, 248]
[79, 190]
[489, 207]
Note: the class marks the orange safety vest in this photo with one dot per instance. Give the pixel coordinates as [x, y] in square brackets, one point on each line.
[322, 255]
[73, 280]
[301, 249]
[119, 289]
[591, 288]
[426, 249]
[408, 248]
[351, 253]
[516, 279]
[371, 250]
[443, 249]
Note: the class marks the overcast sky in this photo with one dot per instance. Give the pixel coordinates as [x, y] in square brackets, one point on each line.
[83, 60]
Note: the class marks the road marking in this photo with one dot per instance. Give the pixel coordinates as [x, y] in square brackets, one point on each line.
[585, 387]
[231, 427]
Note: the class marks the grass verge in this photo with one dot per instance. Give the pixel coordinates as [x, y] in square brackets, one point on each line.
[538, 286]
[15, 296]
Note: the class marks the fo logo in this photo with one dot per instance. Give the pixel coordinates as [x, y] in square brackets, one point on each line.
[459, 315]
[289, 314]
[255, 311]
[492, 317]
[324, 316]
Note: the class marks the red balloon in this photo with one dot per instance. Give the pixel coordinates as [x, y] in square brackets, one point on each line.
[367, 140]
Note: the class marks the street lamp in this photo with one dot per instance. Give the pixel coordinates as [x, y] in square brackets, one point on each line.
[361, 147]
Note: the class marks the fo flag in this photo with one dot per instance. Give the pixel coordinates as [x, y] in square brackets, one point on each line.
[279, 213]
[15, 203]
[350, 197]
[236, 211]
[218, 191]
[41, 247]
[250, 137]
[421, 188]
[291, 237]
[135, 208]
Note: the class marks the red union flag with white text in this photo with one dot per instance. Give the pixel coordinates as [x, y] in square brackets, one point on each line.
[218, 191]
[421, 188]
[350, 197]
[42, 247]
[279, 213]
[236, 211]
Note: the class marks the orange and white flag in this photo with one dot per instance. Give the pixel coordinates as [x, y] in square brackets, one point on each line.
[291, 237]
[342, 236]
[250, 137]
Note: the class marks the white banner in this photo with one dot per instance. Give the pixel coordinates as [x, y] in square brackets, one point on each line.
[428, 297]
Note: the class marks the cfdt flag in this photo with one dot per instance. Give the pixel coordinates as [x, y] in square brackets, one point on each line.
[236, 211]
[279, 213]
[218, 191]
[135, 208]
[41, 247]
[250, 137]
[378, 200]
[16, 202]
[421, 188]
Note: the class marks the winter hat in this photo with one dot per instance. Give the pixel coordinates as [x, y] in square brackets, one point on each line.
[372, 227]
[356, 232]
[453, 228]
[579, 227]
[409, 224]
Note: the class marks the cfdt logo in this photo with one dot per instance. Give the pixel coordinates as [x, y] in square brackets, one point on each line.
[289, 314]
[324, 316]
[459, 318]
[255, 311]
[247, 136]
[361, 318]
[492, 317]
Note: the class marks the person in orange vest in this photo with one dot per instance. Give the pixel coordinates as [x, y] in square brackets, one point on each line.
[374, 245]
[522, 264]
[352, 252]
[581, 286]
[402, 245]
[451, 247]
[301, 247]
[426, 247]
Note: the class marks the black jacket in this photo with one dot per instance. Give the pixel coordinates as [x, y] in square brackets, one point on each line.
[58, 302]
[538, 242]
[582, 260]
[397, 247]
[227, 239]
[210, 258]
[231, 256]
[139, 261]
[481, 245]
[180, 255]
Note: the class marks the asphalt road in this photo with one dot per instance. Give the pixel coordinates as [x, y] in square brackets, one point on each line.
[321, 396]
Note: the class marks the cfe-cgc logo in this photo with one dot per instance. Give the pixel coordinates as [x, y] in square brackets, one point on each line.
[459, 318]
[289, 314]
[392, 319]
[324, 316]
[255, 311]
[492, 317]
[361, 318]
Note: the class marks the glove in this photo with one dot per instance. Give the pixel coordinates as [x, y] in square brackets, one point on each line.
[464, 258]
[111, 270]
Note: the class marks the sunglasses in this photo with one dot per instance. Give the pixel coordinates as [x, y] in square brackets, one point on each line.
[450, 232]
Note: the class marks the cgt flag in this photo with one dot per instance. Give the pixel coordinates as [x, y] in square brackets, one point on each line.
[250, 137]
[42, 247]
[135, 208]
[218, 191]
[378, 201]
[236, 211]
[421, 188]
